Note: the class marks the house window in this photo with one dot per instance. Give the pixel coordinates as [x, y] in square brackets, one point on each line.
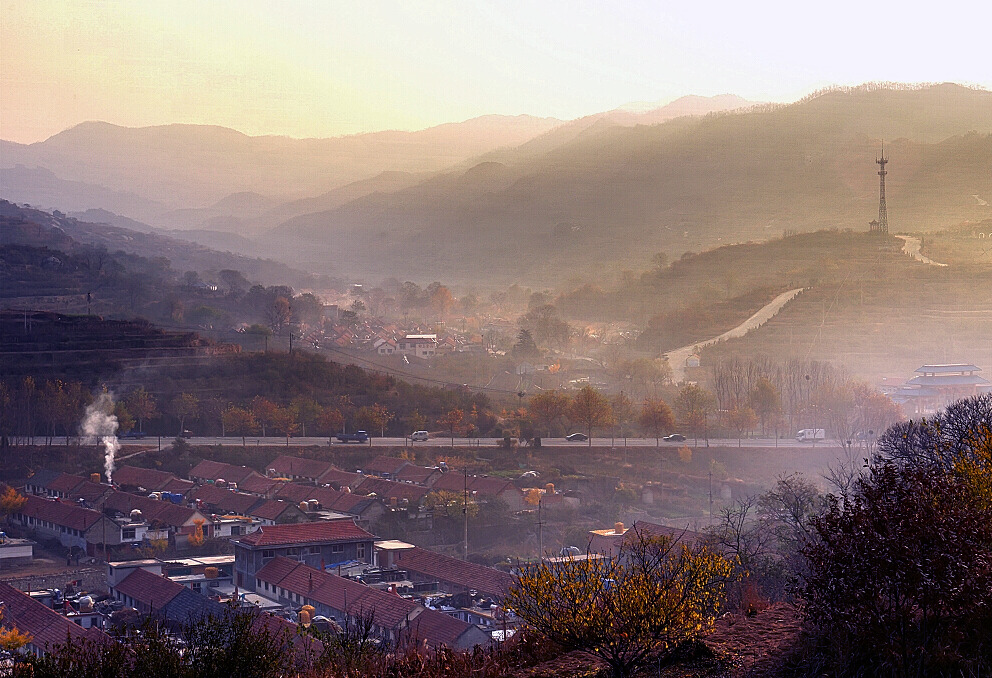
[127, 533]
[293, 551]
[337, 548]
[268, 553]
[360, 551]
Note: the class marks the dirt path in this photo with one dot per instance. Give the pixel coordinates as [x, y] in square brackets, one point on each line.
[911, 246]
[678, 357]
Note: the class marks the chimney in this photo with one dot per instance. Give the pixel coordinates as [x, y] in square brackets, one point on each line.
[618, 528]
[95, 477]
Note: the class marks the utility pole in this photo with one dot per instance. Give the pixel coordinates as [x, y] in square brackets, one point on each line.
[540, 531]
[465, 511]
[711, 489]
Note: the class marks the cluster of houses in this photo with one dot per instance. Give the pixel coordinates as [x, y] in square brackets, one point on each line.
[302, 535]
[386, 338]
[220, 500]
[334, 570]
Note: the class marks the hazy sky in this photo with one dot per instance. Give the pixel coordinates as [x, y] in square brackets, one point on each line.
[323, 68]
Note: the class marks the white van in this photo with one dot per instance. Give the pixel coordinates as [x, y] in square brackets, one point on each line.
[419, 436]
[806, 434]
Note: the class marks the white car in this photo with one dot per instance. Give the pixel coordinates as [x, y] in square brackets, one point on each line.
[419, 436]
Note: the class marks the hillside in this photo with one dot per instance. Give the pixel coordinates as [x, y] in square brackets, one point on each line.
[194, 166]
[41, 229]
[613, 196]
[866, 306]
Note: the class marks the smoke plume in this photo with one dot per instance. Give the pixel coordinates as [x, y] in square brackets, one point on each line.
[100, 422]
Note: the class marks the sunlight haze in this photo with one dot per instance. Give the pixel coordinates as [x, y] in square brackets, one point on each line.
[317, 69]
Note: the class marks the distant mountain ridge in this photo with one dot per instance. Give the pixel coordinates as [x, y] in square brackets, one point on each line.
[612, 196]
[198, 165]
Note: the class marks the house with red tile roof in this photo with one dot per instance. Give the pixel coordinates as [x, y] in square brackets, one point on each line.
[298, 469]
[452, 575]
[385, 467]
[394, 494]
[220, 500]
[46, 627]
[393, 617]
[149, 480]
[72, 525]
[267, 488]
[437, 630]
[208, 471]
[276, 512]
[483, 488]
[322, 543]
[311, 471]
[364, 508]
[176, 520]
[424, 476]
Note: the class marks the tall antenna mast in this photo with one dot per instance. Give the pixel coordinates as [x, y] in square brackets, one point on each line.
[882, 225]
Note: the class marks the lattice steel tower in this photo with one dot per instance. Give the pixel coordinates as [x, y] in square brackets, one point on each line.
[882, 225]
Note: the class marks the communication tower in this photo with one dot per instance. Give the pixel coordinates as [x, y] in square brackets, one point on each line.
[882, 224]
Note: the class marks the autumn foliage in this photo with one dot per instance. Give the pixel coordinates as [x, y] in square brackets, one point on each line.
[658, 594]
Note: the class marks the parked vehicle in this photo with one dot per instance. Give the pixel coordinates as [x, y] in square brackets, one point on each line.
[807, 434]
[576, 437]
[357, 437]
[134, 435]
[419, 436]
[674, 438]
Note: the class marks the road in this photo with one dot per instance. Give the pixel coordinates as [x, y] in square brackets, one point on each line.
[443, 441]
[677, 358]
[911, 246]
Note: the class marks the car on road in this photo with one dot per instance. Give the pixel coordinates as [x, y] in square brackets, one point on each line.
[357, 437]
[674, 438]
[419, 436]
[576, 437]
[134, 435]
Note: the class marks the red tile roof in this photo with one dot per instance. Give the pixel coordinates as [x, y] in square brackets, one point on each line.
[418, 475]
[151, 590]
[382, 465]
[344, 530]
[465, 575]
[339, 478]
[484, 486]
[215, 470]
[65, 483]
[388, 610]
[387, 489]
[296, 492]
[60, 513]
[165, 512]
[261, 486]
[272, 509]
[90, 492]
[290, 466]
[47, 627]
[149, 479]
[438, 629]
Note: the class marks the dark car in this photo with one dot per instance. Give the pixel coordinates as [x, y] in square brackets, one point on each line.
[134, 435]
[576, 437]
[674, 438]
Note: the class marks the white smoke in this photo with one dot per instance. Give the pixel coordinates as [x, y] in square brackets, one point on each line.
[100, 422]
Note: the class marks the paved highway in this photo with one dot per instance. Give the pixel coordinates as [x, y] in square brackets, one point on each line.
[441, 441]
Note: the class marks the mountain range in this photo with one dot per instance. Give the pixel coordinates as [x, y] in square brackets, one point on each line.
[534, 200]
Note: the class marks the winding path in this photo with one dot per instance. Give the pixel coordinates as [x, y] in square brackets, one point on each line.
[678, 357]
[911, 246]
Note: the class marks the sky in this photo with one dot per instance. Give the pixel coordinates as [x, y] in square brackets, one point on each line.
[323, 68]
